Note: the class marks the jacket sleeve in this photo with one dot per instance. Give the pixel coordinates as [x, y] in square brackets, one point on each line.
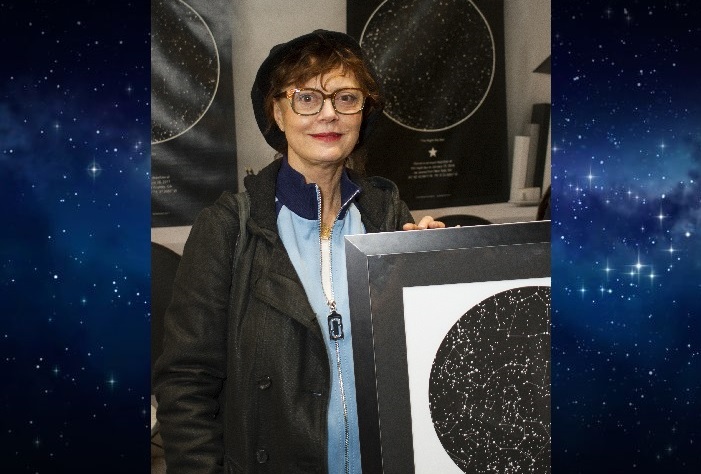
[399, 212]
[404, 216]
[188, 376]
[382, 208]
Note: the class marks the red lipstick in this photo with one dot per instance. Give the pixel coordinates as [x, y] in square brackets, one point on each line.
[327, 137]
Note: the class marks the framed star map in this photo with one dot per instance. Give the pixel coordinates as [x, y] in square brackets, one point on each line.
[451, 338]
[442, 138]
[193, 145]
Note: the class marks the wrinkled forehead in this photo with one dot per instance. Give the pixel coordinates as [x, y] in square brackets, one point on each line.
[328, 80]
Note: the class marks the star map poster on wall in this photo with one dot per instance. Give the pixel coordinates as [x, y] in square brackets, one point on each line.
[442, 138]
[470, 365]
[193, 147]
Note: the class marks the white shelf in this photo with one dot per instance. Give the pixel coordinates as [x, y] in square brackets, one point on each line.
[498, 213]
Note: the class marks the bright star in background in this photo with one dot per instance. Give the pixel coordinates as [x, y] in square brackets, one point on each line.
[94, 170]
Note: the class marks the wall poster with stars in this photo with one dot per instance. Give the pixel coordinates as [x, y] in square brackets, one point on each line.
[193, 145]
[453, 366]
[442, 138]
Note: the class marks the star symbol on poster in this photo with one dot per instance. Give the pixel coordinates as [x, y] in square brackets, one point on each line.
[432, 153]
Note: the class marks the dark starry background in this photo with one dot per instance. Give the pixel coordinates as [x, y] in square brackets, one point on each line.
[626, 237]
[74, 248]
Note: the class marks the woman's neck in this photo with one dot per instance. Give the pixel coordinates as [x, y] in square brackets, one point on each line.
[328, 178]
[330, 198]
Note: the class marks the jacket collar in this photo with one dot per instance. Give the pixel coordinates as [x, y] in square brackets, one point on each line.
[293, 192]
[262, 187]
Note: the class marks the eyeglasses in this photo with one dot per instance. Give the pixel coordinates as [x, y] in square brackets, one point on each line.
[308, 101]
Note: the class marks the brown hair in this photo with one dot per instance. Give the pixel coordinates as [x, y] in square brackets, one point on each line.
[318, 58]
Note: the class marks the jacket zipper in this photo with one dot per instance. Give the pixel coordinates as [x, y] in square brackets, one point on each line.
[331, 302]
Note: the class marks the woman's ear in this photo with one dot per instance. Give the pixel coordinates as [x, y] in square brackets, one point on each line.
[277, 112]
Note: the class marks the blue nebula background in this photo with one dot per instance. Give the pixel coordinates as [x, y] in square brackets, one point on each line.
[75, 213]
[626, 250]
[74, 246]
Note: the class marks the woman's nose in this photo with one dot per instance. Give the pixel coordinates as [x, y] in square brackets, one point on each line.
[327, 111]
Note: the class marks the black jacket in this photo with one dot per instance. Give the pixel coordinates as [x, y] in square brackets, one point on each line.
[243, 381]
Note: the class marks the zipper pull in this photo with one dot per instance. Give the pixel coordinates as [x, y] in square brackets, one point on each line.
[335, 326]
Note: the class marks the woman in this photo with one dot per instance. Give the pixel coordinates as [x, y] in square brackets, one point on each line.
[256, 373]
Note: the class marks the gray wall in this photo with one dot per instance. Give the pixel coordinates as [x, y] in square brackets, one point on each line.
[257, 25]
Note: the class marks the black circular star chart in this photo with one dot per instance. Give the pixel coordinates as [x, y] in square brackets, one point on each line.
[435, 60]
[185, 72]
[489, 392]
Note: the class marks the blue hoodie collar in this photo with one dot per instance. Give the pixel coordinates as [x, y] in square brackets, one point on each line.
[293, 192]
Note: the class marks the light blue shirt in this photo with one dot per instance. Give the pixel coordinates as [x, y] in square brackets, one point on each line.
[298, 220]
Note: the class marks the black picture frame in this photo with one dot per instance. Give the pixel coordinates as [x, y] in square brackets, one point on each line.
[379, 267]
